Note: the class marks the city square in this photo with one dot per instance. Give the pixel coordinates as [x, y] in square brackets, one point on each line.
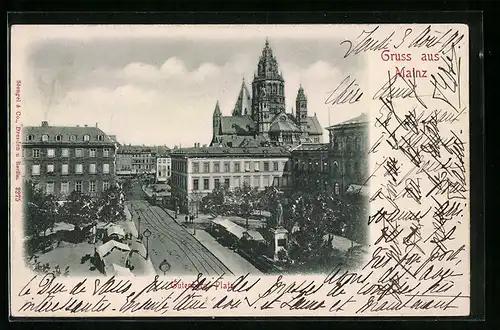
[265, 193]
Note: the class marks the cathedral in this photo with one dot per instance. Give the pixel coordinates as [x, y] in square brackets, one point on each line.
[259, 118]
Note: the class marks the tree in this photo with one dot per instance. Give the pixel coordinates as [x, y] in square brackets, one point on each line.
[40, 212]
[127, 186]
[218, 202]
[79, 210]
[111, 208]
[314, 213]
[196, 199]
[268, 198]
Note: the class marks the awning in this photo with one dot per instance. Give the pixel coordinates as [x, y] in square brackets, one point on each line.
[230, 226]
[103, 225]
[115, 230]
[358, 189]
[256, 236]
[107, 247]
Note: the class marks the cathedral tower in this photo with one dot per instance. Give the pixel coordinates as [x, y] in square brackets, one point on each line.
[264, 112]
[301, 108]
[269, 78]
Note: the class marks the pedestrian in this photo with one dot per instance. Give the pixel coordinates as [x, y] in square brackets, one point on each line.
[186, 218]
[191, 218]
[343, 228]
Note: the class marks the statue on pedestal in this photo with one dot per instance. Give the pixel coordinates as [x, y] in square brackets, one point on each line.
[279, 216]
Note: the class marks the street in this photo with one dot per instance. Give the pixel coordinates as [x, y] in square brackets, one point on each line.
[171, 241]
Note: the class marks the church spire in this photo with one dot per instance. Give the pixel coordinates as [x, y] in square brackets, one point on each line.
[216, 122]
[268, 66]
[217, 111]
[243, 106]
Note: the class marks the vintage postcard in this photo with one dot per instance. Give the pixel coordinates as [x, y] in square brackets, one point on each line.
[239, 170]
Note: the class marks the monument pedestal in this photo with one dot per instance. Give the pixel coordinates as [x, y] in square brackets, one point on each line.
[280, 240]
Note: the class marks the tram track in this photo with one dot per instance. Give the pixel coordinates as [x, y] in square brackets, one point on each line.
[197, 254]
[190, 254]
[191, 241]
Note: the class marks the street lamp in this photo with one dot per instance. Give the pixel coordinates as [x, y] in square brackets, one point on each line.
[139, 223]
[146, 234]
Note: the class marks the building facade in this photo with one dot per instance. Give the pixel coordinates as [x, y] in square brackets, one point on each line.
[163, 165]
[197, 171]
[348, 154]
[259, 117]
[311, 167]
[62, 159]
[135, 160]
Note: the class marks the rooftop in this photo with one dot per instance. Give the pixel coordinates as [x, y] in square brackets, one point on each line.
[228, 151]
[65, 134]
[361, 119]
[109, 246]
[312, 147]
[137, 149]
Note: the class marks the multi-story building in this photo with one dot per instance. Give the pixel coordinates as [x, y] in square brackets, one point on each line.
[163, 164]
[348, 154]
[133, 160]
[62, 159]
[311, 167]
[197, 171]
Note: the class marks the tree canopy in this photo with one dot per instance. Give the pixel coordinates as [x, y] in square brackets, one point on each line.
[111, 208]
[40, 211]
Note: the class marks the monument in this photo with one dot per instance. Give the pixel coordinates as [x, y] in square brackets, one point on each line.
[280, 233]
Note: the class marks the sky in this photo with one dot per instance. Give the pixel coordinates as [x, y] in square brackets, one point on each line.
[158, 85]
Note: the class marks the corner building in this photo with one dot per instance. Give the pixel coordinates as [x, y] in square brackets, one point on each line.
[349, 154]
[63, 159]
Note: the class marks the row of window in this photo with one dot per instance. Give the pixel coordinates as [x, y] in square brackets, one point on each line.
[163, 174]
[67, 187]
[35, 169]
[248, 166]
[141, 155]
[179, 166]
[247, 181]
[163, 169]
[59, 138]
[130, 155]
[143, 161]
[348, 144]
[136, 167]
[65, 152]
[142, 167]
[349, 168]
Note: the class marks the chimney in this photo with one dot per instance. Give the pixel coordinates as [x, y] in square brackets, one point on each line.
[45, 123]
[86, 126]
[96, 125]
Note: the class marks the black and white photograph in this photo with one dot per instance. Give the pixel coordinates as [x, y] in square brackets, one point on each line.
[204, 157]
[221, 156]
